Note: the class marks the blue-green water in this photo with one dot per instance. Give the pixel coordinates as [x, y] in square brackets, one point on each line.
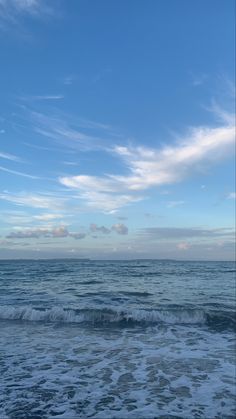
[117, 339]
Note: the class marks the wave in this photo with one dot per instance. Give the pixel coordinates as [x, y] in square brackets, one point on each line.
[91, 282]
[106, 316]
[136, 293]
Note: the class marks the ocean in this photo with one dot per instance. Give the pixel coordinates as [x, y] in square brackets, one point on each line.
[117, 339]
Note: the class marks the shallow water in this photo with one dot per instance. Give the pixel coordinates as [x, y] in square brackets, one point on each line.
[131, 339]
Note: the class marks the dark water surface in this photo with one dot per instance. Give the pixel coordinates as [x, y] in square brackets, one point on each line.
[117, 339]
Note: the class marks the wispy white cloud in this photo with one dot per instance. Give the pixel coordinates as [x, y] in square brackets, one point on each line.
[24, 6]
[36, 233]
[16, 172]
[105, 202]
[173, 204]
[222, 115]
[48, 217]
[16, 218]
[69, 131]
[70, 163]
[65, 131]
[68, 80]
[42, 97]
[232, 195]
[87, 123]
[13, 11]
[9, 156]
[53, 149]
[199, 79]
[19, 218]
[180, 233]
[33, 200]
[90, 183]
[148, 167]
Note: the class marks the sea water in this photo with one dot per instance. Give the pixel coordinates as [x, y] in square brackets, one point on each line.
[117, 339]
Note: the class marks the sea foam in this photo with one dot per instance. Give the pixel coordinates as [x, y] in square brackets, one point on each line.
[109, 316]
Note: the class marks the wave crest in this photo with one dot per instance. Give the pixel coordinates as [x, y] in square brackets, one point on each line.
[107, 316]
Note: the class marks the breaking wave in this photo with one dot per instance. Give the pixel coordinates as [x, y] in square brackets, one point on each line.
[106, 316]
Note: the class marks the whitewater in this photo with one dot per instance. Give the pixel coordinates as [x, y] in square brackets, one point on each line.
[117, 339]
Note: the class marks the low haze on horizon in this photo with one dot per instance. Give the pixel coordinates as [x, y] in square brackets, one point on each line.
[117, 129]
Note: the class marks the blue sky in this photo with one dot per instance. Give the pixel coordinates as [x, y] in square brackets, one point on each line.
[117, 129]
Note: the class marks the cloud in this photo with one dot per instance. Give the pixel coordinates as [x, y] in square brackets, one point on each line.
[29, 234]
[221, 114]
[42, 97]
[68, 80]
[8, 156]
[70, 163]
[56, 232]
[6, 243]
[183, 246]
[18, 218]
[94, 229]
[176, 233]
[8, 218]
[232, 195]
[78, 236]
[13, 11]
[120, 228]
[62, 232]
[93, 183]
[149, 168]
[16, 172]
[198, 80]
[47, 217]
[107, 203]
[150, 215]
[172, 164]
[35, 200]
[67, 130]
[173, 204]
[24, 6]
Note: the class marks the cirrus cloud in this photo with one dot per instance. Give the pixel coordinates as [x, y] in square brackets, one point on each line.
[36, 233]
[150, 167]
[232, 195]
[180, 233]
[12, 11]
[34, 200]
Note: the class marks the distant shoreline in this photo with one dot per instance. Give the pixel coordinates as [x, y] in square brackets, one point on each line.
[111, 260]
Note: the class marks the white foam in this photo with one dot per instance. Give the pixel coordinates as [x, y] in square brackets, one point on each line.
[30, 314]
[59, 314]
[78, 372]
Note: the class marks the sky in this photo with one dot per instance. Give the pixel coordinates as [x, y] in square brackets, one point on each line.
[117, 129]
